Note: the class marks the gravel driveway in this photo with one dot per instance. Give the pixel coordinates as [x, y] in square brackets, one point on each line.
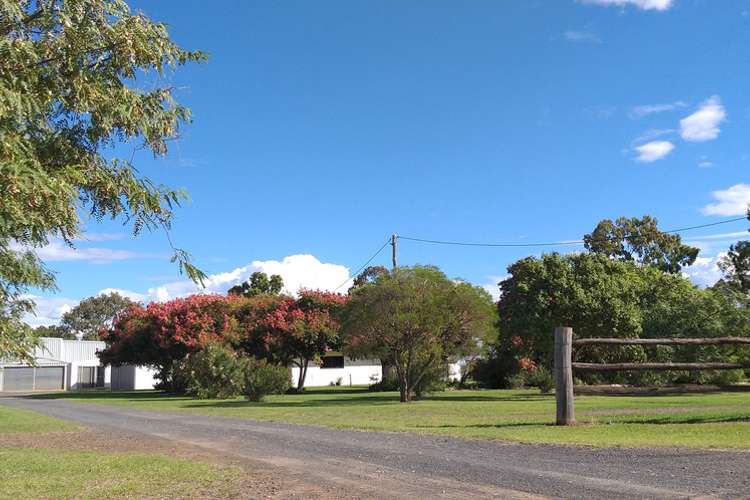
[384, 465]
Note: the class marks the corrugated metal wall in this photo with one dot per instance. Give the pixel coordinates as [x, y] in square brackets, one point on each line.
[70, 351]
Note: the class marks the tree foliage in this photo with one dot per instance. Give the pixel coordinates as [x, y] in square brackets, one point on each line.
[164, 333]
[297, 331]
[602, 297]
[735, 266]
[71, 90]
[95, 315]
[640, 240]
[259, 284]
[54, 331]
[418, 319]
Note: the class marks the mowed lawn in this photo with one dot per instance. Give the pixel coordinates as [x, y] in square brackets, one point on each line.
[718, 420]
[48, 472]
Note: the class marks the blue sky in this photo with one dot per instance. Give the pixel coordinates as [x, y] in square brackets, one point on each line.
[320, 128]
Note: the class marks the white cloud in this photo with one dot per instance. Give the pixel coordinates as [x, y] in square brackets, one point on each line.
[721, 236]
[660, 5]
[650, 109]
[705, 164]
[101, 236]
[135, 296]
[59, 251]
[297, 271]
[492, 286]
[581, 37]
[732, 201]
[703, 125]
[652, 133]
[704, 271]
[654, 150]
[49, 310]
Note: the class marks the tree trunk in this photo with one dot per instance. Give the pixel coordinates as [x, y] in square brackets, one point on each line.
[302, 375]
[404, 389]
[403, 383]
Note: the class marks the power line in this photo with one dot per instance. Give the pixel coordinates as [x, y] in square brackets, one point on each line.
[549, 244]
[354, 275]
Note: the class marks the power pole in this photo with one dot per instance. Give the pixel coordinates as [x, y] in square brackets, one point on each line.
[394, 238]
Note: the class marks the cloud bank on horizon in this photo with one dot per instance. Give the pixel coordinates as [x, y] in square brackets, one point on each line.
[301, 271]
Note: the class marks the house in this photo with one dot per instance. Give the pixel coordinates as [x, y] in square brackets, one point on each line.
[63, 364]
[337, 369]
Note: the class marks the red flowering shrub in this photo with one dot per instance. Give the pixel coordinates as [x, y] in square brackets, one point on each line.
[163, 333]
[285, 330]
[527, 365]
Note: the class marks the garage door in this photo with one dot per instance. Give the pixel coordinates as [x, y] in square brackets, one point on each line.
[43, 378]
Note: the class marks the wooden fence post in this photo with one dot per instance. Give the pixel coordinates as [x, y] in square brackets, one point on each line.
[564, 375]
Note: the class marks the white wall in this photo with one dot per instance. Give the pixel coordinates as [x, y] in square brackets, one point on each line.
[360, 372]
[130, 377]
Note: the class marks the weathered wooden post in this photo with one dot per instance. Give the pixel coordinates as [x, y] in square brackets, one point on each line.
[564, 375]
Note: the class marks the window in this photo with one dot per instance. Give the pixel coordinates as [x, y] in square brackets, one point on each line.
[333, 362]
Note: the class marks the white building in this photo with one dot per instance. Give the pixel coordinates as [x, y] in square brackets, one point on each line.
[63, 364]
[337, 369]
[60, 365]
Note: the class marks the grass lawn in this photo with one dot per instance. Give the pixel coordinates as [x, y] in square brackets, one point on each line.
[49, 472]
[14, 421]
[45, 473]
[719, 420]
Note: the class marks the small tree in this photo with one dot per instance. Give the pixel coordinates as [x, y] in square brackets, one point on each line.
[214, 372]
[259, 284]
[54, 331]
[418, 319]
[95, 314]
[300, 331]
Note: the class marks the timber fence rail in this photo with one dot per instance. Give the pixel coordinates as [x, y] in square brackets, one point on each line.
[564, 364]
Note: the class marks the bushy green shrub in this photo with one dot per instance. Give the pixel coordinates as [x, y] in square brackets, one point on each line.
[262, 379]
[389, 383]
[541, 378]
[215, 372]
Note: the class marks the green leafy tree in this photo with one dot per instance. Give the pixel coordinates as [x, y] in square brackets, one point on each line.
[735, 266]
[69, 94]
[418, 319]
[259, 284]
[596, 295]
[94, 314]
[602, 297]
[54, 331]
[640, 240]
[369, 275]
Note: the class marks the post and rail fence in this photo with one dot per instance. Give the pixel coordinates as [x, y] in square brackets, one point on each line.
[564, 364]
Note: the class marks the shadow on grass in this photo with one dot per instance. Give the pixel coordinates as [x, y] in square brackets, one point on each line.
[112, 395]
[486, 426]
[670, 420]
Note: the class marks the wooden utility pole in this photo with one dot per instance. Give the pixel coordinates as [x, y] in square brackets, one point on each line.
[394, 238]
[564, 375]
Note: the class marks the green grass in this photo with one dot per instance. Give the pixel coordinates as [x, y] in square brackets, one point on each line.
[13, 421]
[717, 420]
[50, 473]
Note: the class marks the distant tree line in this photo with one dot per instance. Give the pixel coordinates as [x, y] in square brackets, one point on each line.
[628, 284]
